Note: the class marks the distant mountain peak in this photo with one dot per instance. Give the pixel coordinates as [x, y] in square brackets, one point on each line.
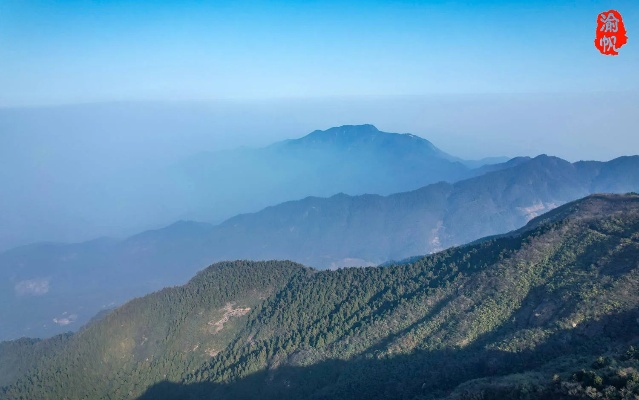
[547, 161]
[343, 132]
[347, 136]
[346, 129]
[366, 129]
[545, 157]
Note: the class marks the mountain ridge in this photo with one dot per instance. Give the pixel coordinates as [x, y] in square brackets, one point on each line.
[349, 136]
[323, 232]
[353, 159]
[518, 316]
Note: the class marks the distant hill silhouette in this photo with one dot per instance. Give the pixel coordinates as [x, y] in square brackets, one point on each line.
[353, 159]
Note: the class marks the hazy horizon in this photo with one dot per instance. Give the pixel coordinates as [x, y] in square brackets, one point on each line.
[99, 99]
[469, 126]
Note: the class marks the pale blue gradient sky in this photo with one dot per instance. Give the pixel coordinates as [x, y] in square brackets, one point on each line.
[60, 52]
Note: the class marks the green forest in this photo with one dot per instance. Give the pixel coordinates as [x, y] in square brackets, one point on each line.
[550, 311]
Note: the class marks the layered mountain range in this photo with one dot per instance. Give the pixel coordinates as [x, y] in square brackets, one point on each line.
[550, 310]
[75, 185]
[50, 288]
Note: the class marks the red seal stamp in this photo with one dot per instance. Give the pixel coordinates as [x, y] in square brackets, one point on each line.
[611, 33]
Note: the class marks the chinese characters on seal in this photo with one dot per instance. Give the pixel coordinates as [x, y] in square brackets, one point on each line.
[611, 33]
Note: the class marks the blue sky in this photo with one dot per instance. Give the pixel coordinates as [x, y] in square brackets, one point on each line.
[59, 52]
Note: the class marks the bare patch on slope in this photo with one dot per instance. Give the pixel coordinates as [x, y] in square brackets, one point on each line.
[536, 209]
[229, 311]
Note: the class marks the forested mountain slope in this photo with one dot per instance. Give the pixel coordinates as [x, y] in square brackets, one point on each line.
[548, 311]
[167, 332]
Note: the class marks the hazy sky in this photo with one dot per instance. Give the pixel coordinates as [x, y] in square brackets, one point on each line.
[54, 52]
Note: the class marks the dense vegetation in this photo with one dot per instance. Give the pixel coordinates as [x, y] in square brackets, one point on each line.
[155, 337]
[19, 356]
[550, 311]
